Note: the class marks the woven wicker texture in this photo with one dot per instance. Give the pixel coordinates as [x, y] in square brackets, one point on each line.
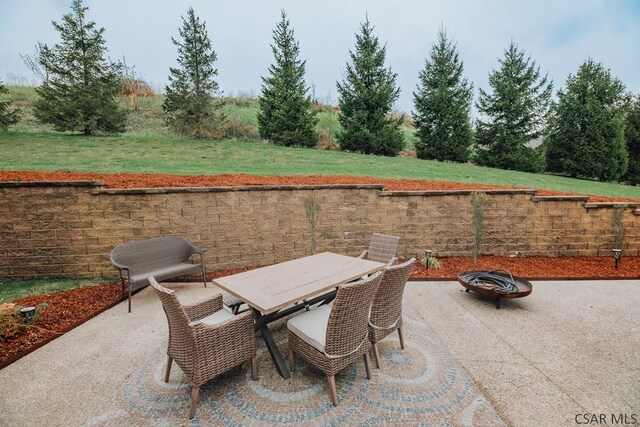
[160, 257]
[205, 351]
[347, 329]
[145, 256]
[386, 310]
[382, 248]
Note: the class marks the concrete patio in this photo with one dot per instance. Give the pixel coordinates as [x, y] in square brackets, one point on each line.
[570, 348]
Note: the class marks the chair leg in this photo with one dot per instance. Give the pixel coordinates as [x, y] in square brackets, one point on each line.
[366, 365]
[376, 355]
[204, 275]
[292, 360]
[167, 371]
[129, 297]
[401, 338]
[195, 392]
[332, 389]
[254, 367]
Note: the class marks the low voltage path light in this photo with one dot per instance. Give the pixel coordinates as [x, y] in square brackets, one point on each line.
[617, 254]
[28, 312]
[427, 255]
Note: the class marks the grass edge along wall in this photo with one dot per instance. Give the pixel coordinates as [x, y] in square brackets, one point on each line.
[68, 229]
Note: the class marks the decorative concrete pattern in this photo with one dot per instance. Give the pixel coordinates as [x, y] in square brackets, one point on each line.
[576, 357]
[421, 385]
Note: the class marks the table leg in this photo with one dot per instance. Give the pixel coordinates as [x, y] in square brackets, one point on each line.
[497, 303]
[267, 336]
[263, 320]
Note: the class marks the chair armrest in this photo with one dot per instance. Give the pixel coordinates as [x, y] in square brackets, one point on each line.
[392, 261]
[364, 254]
[203, 308]
[226, 338]
[196, 249]
[122, 269]
[117, 264]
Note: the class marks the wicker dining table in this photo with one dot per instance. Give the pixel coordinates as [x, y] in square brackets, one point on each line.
[279, 290]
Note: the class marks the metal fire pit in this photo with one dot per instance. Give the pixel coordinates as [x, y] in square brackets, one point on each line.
[496, 284]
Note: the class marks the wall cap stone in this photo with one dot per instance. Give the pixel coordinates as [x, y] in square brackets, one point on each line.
[598, 205]
[10, 184]
[560, 198]
[167, 190]
[455, 192]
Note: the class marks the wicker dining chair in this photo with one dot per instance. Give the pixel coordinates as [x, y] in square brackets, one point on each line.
[381, 249]
[386, 309]
[331, 337]
[205, 340]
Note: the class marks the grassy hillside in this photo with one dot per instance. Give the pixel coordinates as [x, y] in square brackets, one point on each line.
[147, 147]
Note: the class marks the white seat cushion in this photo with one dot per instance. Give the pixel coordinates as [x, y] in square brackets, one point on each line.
[217, 317]
[230, 300]
[311, 326]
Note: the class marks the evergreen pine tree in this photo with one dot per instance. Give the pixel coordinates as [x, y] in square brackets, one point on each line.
[193, 105]
[587, 136]
[285, 115]
[80, 87]
[442, 106]
[516, 112]
[632, 136]
[8, 116]
[367, 95]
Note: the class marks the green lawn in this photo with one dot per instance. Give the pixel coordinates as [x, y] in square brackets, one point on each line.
[14, 289]
[147, 147]
[161, 153]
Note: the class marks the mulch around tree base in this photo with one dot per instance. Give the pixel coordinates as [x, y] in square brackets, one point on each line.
[70, 308]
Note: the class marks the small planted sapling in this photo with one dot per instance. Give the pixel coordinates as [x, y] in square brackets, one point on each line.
[477, 222]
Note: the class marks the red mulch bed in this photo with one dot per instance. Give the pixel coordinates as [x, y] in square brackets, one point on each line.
[65, 310]
[131, 180]
[535, 267]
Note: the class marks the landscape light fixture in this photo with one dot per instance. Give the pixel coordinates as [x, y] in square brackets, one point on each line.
[28, 312]
[427, 255]
[617, 254]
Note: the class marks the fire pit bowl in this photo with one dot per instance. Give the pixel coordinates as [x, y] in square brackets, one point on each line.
[497, 284]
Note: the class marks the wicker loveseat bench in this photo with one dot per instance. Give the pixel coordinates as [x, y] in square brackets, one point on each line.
[161, 257]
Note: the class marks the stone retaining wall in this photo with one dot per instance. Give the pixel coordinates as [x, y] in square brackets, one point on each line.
[68, 229]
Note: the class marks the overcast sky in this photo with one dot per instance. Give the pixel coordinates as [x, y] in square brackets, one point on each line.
[558, 34]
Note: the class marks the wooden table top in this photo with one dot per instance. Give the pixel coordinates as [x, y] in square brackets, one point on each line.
[274, 287]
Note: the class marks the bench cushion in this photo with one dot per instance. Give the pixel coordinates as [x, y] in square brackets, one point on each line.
[217, 317]
[165, 273]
